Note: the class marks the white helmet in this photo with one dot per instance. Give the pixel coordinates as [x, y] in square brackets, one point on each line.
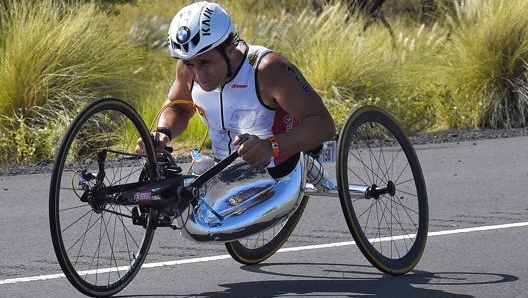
[198, 28]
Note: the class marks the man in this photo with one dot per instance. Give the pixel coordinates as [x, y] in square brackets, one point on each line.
[239, 89]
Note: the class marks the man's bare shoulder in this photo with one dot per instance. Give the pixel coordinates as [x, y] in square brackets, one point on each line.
[277, 72]
[273, 63]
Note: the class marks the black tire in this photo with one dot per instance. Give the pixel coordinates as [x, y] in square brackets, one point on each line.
[389, 222]
[98, 248]
[257, 248]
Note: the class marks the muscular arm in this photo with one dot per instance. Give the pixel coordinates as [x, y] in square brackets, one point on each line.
[282, 84]
[176, 117]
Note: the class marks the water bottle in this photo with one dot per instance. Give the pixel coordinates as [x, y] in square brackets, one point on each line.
[201, 163]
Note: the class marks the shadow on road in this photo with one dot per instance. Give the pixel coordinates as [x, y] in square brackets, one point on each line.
[347, 281]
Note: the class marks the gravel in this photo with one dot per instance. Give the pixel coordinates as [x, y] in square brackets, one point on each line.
[450, 136]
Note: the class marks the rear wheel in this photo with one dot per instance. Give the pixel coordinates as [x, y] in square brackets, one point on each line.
[98, 246]
[388, 217]
[259, 247]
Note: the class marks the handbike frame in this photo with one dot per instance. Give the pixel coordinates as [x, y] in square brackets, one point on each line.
[181, 191]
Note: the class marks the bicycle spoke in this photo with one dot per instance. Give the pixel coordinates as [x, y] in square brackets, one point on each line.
[389, 222]
[100, 248]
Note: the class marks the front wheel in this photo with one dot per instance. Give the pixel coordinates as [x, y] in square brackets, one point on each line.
[98, 245]
[382, 190]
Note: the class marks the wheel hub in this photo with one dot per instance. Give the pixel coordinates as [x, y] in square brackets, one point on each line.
[373, 192]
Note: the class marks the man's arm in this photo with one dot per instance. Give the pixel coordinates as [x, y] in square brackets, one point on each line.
[282, 84]
[180, 108]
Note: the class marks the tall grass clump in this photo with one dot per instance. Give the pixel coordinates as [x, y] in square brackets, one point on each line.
[340, 62]
[416, 94]
[486, 66]
[350, 65]
[56, 56]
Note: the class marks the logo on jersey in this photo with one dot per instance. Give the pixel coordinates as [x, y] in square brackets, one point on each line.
[288, 121]
[239, 86]
[244, 118]
[252, 58]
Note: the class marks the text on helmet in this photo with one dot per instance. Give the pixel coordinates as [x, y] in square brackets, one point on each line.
[206, 22]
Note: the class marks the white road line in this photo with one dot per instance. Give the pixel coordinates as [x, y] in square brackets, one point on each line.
[289, 249]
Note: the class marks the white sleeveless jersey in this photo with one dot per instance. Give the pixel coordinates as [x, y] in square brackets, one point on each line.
[236, 108]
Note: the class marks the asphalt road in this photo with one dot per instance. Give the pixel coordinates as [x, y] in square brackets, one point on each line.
[477, 247]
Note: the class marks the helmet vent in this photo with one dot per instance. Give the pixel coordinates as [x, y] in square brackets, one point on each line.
[175, 45]
[196, 39]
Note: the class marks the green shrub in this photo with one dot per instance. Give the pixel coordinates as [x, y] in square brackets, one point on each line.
[52, 54]
[29, 140]
[485, 63]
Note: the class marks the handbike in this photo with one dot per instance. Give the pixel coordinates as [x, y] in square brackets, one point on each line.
[106, 201]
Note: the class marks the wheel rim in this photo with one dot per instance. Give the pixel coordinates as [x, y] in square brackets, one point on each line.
[259, 247]
[389, 221]
[98, 246]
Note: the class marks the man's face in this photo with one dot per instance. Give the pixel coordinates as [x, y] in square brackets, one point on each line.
[209, 69]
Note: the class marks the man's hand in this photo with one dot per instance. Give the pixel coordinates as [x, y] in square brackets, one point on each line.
[161, 141]
[256, 152]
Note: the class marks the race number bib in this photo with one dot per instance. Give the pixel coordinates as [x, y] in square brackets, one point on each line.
[329, 152]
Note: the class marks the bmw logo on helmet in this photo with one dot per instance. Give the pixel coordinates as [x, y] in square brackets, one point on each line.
[183, 34]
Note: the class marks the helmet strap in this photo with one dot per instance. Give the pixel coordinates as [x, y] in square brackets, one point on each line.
[226, 59]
